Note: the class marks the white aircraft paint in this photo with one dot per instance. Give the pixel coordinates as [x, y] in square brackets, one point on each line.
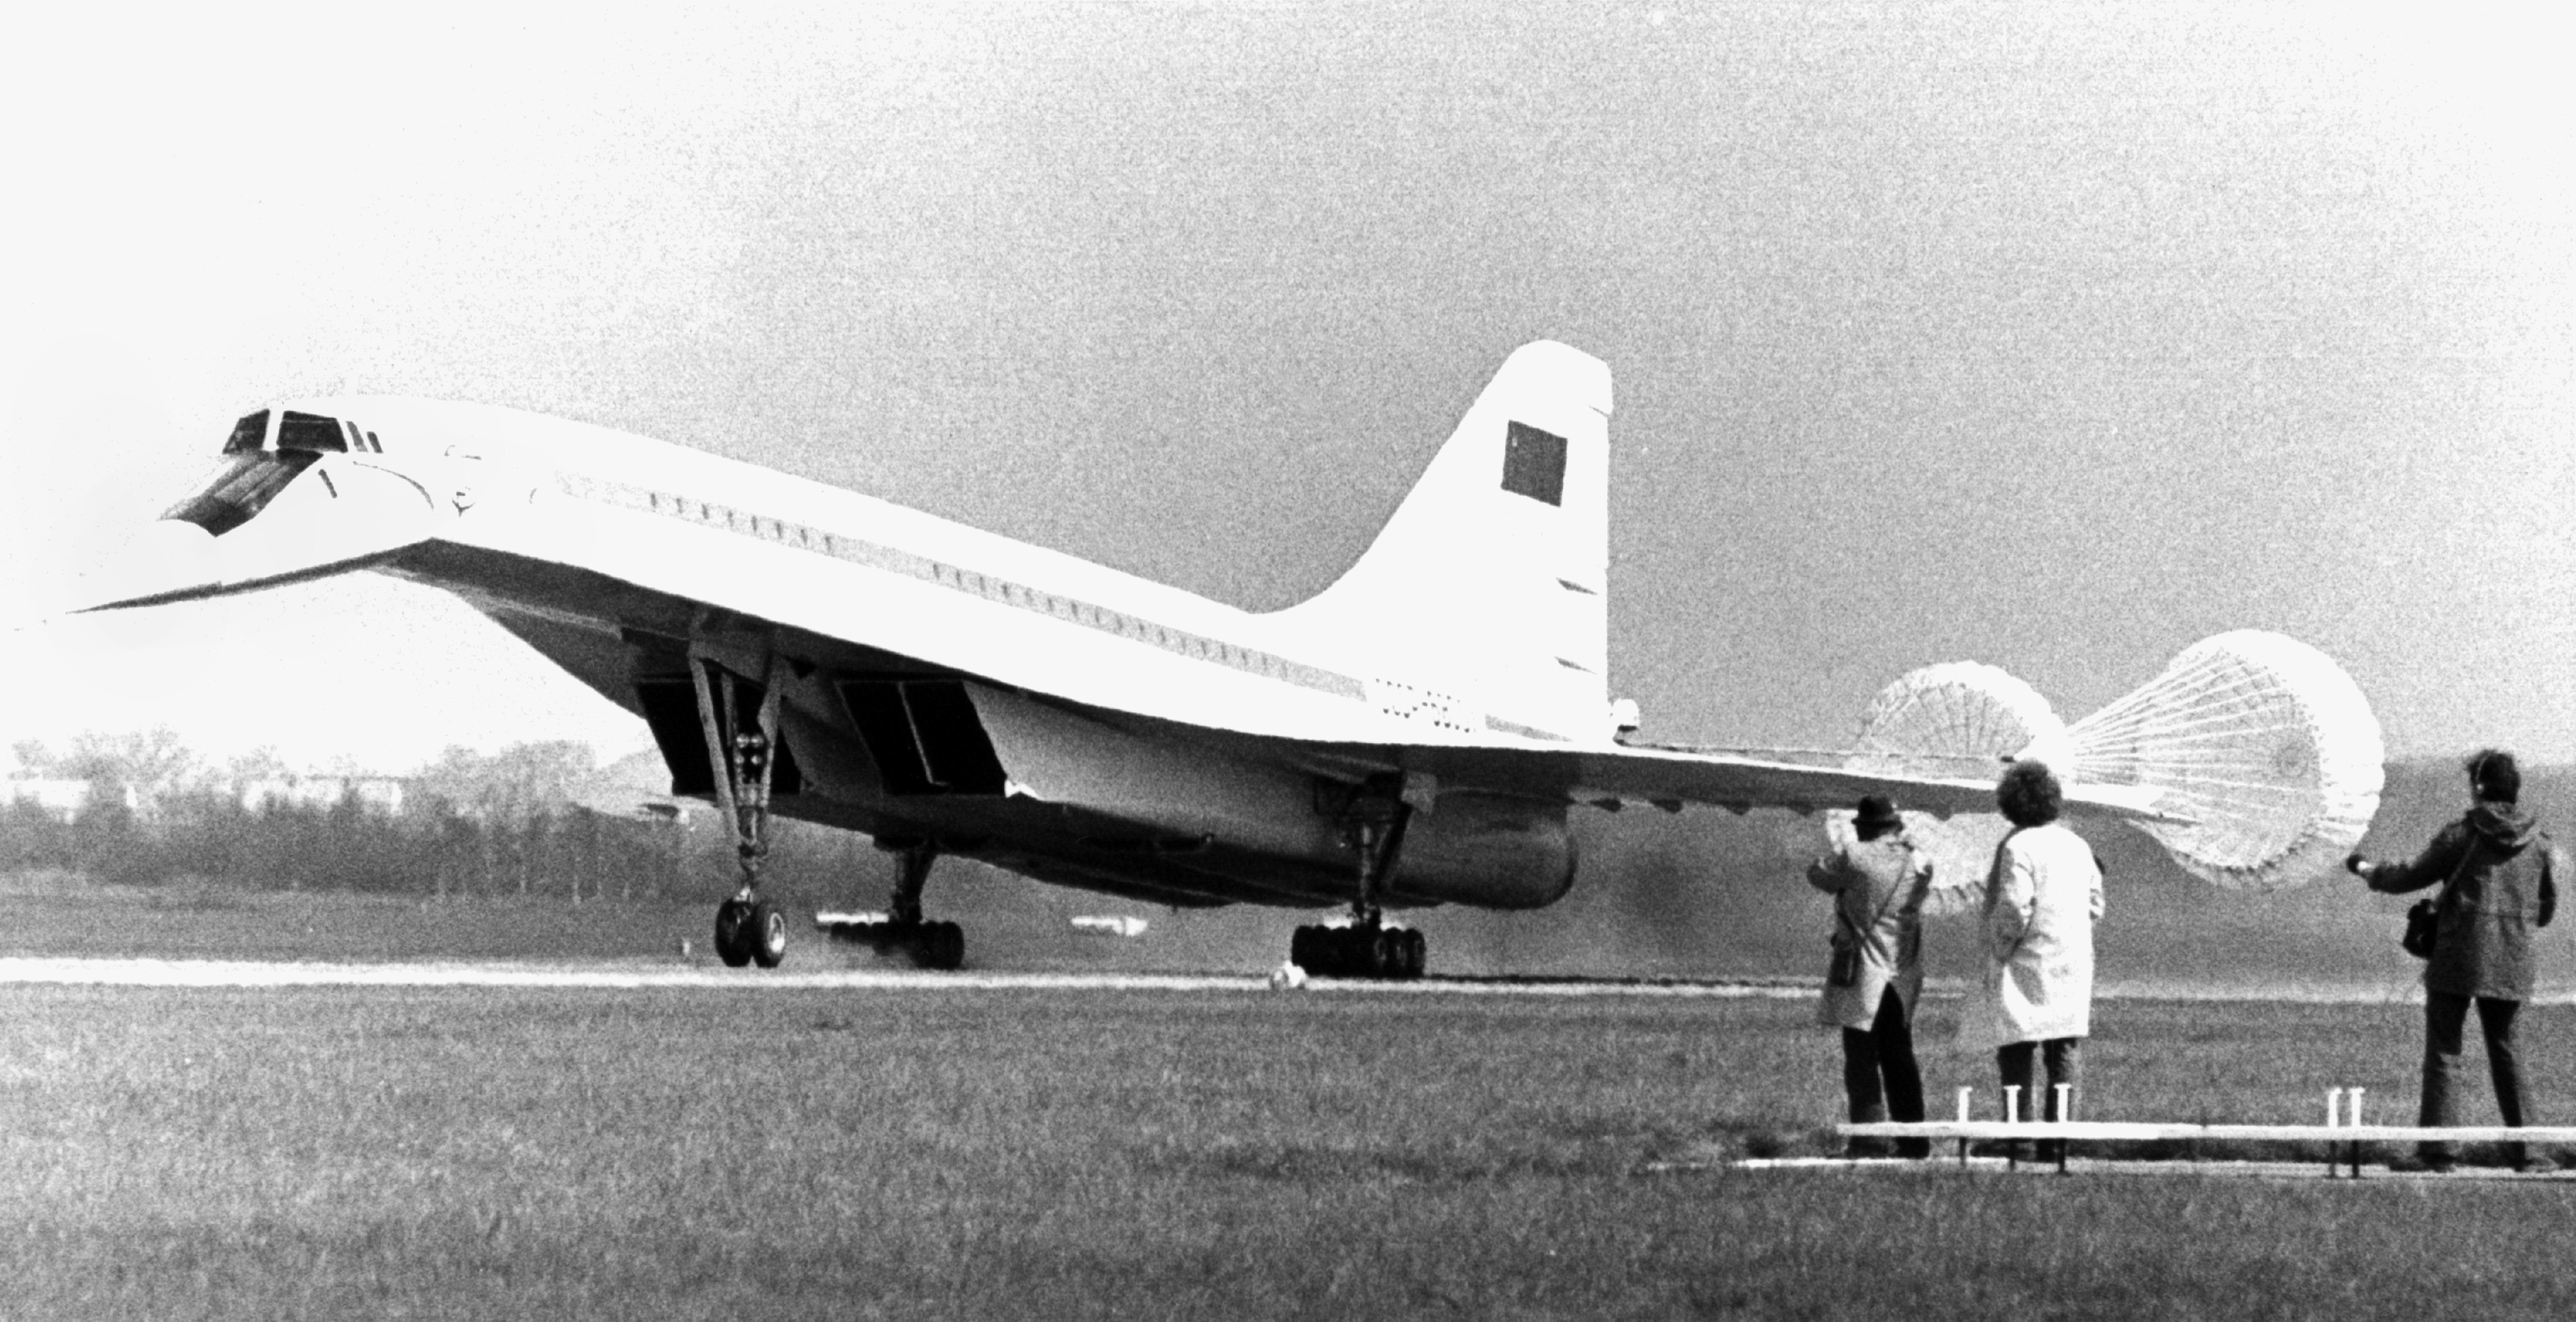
[1460, 658]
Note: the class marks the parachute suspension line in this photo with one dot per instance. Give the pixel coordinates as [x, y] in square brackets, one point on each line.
[2261, 741]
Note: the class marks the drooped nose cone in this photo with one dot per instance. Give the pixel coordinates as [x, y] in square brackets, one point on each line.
[167, 560]
[259, 521]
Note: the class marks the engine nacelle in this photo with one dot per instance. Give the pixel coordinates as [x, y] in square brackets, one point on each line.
[1489, 851]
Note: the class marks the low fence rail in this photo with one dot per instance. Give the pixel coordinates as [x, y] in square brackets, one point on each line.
[2343, 1134]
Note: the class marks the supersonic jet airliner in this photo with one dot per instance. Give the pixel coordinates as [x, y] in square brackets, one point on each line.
[1414, 735]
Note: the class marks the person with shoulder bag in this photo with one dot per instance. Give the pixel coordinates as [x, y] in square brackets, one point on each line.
[2498, 874]
[1875, 974]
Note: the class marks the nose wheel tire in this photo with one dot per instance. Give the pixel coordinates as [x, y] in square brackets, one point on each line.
[750, 932]
[768, 935]
[733, 922]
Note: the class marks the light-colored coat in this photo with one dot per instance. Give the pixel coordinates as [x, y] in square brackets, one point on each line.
[2041, 904]
[1878, 888]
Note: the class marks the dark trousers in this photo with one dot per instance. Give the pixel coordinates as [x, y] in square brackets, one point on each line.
[2445, 1015]
[2064, 1057]
[1880, 1076]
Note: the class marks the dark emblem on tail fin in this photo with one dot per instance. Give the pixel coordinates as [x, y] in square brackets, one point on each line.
[1534, 464]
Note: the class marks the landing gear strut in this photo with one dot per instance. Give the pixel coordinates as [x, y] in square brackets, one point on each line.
[749, 929]
[932, 945]
[1376, 816]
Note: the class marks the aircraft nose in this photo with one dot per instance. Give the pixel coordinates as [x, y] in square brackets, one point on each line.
[166, 560]
[258, 523]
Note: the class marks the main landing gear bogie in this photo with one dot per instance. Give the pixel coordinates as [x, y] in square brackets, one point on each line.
[930, 945]
[1359, 951]
[1374, 816]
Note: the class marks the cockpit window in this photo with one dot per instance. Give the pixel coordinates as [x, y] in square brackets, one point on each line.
[248, 434]
[240, 488]
[306, 431]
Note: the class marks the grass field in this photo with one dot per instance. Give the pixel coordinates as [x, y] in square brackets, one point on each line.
[957, 1153]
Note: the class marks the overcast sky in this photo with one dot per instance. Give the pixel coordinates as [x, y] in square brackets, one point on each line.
[2051, 336]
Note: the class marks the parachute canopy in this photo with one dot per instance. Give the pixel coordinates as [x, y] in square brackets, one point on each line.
[1959, 719]
[2259, 744]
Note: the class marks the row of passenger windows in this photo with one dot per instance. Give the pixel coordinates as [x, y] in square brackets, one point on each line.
[995, 589]
[301, 431]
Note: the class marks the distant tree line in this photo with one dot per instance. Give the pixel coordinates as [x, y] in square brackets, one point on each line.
[472, 824]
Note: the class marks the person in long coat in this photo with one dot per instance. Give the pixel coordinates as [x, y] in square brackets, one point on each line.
[1878, 881]
[2042, 900]
[2498, 872]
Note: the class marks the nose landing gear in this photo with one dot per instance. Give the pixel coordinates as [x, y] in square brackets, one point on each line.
[749, 929]
[750, 932]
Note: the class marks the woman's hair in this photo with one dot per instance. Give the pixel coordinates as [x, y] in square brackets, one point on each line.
[2028, 794]
[2494, 776]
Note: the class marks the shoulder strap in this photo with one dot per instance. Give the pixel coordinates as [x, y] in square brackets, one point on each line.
[1903, 882]
[2468, 850]
[1883, 905]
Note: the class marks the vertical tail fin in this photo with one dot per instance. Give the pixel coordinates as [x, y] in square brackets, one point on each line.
[1490, 582]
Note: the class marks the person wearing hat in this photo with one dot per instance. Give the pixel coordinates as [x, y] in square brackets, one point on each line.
[1878, 880]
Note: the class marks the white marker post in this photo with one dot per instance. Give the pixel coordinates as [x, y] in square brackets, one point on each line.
[1964, 1095]
[2334, 1107]
[2065, 1115]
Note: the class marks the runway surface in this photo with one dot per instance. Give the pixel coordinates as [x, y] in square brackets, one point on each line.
[252, 973]
[642, 973]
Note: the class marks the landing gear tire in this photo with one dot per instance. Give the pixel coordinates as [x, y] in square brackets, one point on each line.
[766, 935]
[735, 935]
[939, 946]
[1386, 954]
[1383, 953]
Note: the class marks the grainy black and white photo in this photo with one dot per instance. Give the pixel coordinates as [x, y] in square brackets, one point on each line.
[1288, 660]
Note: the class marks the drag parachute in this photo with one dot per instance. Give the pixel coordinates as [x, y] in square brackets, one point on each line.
[1958, 720]
[2259, 745]
[2261, 741]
